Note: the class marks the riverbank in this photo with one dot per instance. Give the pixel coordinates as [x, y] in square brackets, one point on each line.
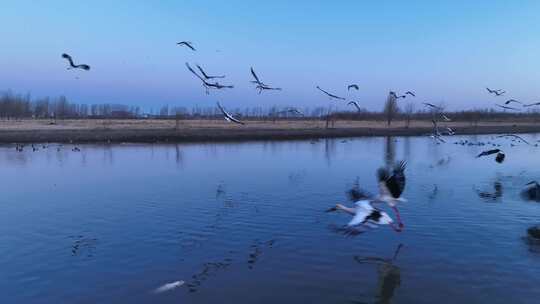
[150, 130]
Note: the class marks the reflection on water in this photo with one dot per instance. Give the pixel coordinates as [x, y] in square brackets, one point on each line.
[244, 223]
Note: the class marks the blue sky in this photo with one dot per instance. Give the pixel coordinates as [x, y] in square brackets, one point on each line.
[445, 51]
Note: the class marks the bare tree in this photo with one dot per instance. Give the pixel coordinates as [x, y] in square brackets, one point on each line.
[409, 110]
[390, 108]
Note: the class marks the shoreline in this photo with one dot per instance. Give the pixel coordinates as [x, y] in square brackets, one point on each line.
[79, 131]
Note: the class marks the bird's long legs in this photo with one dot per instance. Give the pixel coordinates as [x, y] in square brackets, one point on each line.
[398, 217]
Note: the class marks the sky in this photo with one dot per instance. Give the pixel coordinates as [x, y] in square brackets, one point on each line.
[445, 51]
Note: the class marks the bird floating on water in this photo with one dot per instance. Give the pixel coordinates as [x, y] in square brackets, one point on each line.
[73, 65]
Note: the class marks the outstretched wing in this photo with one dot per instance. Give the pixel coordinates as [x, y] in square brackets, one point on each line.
[396, 182]
[362, 212]
[195, 73]
[202, 71]
[255, 76]
[69, 59]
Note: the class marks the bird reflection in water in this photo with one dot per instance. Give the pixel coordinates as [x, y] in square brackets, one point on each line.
[491, 196]
[388, 273]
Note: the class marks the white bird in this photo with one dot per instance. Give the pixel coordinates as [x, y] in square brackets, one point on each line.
[364, 214]
[228, 117]
[168, 286]
[445, 117]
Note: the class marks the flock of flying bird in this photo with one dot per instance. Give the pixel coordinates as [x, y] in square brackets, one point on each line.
[211, 82]
[390, 184]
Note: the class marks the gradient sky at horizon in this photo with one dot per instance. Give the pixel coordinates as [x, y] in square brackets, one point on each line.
[444, 51]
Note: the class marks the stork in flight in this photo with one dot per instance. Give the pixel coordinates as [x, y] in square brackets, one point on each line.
[512, 100]
[445, 117]
[228, 117]
[364, 213]
[507, 108]
[75, 66]
[427, 104]
[291, 110]
[206, 76]
[207, 85]
[261, 86]
[496, 92]
[352, 86]
[532, 104]
[187, 43]
[410, 93]
[355, 104]
[393, 94]
[498, 158]
[330, 94]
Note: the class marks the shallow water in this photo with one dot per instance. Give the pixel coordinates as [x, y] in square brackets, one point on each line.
[244, 223]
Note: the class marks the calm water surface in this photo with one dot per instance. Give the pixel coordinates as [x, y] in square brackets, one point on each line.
[244, 223]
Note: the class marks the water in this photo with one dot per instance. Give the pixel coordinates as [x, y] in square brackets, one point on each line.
[244, 223]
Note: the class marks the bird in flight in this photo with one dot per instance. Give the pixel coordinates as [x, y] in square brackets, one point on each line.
[355, 104]
[206, 76]
[496, 92]
[228, 117]
[532, 104]
[207, 85]
[393, 94]
[364, 213]
[445, 117]
[75, 66]
[509, 101]
[187, 43]
[410, 93]
[427, 104]
[436, 134]
[352, 86]
[330, 94]
[507, 108]
[498, 158]
[291, 110]
[261, 86]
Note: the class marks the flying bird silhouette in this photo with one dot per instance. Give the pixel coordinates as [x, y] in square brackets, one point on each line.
[75, 66]
[354, 103]
[206, 76]
[496, 92]
[228, 117]
[352, 86]
[432, 105]
[330, 94]
[507, 108]
[410, 93]
[532, 104]
[392, 93]
[187, 43]
[512, 100]
[207, 85]
[261, 86]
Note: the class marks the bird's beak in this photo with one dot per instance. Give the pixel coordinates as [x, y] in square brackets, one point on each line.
[331, 209]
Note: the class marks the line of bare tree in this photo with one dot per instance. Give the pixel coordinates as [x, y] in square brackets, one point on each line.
[17, 106]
